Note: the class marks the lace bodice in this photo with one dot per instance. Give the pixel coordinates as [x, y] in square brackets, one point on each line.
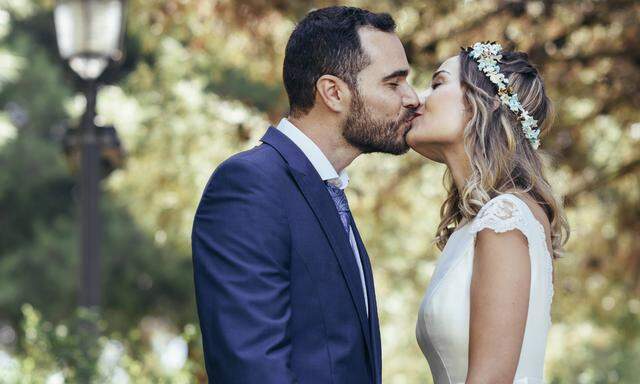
[442, 329]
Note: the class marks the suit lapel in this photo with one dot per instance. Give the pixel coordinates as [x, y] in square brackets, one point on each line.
[373, 306]
[314, 191]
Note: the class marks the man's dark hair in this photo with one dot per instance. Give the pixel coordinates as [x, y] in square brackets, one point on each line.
[326, 42]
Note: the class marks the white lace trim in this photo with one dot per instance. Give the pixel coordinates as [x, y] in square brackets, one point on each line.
[503, 214]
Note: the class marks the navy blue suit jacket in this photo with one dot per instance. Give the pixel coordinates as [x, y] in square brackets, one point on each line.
[278, 289]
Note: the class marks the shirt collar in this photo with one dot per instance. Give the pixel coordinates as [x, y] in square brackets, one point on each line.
[314, 154]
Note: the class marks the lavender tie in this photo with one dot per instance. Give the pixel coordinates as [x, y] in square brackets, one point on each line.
[340, 201]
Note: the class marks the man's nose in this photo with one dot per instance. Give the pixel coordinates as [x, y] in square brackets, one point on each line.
[411, 99]
[420, 110]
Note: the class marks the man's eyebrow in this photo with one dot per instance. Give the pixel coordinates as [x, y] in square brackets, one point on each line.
[398, 73]
[439, 72]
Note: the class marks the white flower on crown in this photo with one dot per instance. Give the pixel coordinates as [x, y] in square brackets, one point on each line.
[504, 98]
[494, 48]
[497, 78]
[488, 64]
[481, 49]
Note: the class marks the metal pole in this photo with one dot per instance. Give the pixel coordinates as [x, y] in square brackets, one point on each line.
[89, 292]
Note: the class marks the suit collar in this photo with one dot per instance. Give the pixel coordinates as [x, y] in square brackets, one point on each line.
[302, 154]
[314, 154]
[289, 151]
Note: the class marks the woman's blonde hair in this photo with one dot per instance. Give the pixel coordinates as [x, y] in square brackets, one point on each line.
[502, 160]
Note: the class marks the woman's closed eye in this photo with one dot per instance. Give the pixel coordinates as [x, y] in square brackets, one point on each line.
[435, 85]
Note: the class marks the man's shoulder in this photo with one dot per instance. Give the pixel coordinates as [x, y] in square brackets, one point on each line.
[261, 161]
[262, 155]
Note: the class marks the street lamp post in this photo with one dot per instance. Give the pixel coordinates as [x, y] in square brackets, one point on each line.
[89, 293]
[89, 35]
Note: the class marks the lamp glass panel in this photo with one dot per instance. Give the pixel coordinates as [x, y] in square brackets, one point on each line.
[89, 28]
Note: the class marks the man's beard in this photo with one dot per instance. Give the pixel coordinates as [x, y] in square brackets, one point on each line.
[370, 135]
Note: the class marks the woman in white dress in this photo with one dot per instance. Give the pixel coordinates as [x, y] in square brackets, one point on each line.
[486, 313]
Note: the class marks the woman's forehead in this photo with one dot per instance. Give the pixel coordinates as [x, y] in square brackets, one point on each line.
[451, 65]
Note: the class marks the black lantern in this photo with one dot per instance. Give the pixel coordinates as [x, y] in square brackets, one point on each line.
[89, 35]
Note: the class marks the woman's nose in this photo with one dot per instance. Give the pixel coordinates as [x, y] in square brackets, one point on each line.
[425, 94]
[422, 96]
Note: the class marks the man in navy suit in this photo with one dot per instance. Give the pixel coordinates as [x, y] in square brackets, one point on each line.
[283, 281]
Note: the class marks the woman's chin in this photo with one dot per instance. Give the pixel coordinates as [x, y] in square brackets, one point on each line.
[423, 146]
[412, 138]
[416, 140]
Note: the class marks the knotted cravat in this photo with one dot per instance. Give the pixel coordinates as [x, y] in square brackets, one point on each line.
[342, 205]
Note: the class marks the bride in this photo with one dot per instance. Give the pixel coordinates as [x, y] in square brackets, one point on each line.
[486, 312]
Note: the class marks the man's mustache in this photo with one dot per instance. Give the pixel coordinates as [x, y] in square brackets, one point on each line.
[409, 114]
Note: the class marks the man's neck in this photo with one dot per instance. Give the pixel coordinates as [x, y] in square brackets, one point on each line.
[328, 137]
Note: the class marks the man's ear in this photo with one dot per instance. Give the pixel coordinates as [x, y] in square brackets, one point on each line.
[334, 93]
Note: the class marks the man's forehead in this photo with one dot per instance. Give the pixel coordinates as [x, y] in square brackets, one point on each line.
[379, 44]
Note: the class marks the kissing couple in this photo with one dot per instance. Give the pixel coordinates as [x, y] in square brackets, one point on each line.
[284, 284]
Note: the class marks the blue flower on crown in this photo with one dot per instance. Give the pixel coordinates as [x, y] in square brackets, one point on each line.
[478, 49]
[494, 48]
[528, 121]
[514, 103]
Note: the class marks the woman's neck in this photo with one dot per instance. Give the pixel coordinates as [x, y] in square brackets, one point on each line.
[458, 163]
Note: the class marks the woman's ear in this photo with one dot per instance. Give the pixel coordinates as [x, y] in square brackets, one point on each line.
[334, 93]
[496, 103]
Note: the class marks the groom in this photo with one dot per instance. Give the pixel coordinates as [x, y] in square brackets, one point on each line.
[283, 281]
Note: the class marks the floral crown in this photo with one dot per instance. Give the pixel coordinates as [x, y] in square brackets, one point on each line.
[487, 54]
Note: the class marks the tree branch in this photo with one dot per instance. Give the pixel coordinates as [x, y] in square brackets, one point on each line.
[602, 180]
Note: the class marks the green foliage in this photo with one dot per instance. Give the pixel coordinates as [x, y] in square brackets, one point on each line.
[73, 352]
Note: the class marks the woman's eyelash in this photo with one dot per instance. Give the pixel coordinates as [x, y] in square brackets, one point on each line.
[435, 85]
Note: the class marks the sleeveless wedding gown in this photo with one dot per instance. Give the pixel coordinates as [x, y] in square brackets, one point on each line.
[443, 321]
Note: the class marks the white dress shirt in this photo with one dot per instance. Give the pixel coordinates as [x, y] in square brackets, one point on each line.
[327, 173]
